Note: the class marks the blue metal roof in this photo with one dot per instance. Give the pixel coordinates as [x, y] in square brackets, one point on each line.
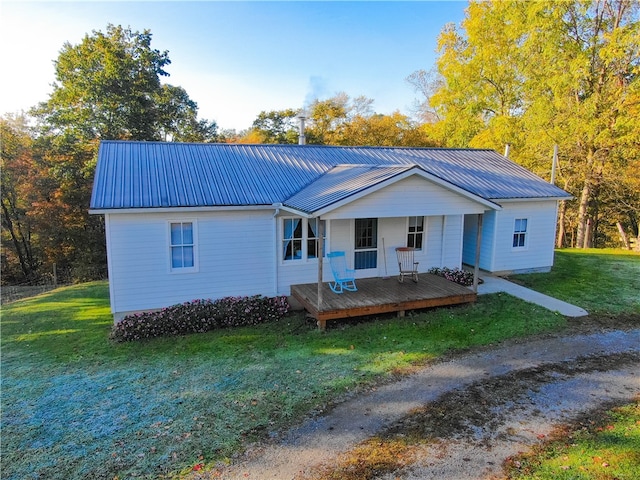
[160, 174]
[340, 183]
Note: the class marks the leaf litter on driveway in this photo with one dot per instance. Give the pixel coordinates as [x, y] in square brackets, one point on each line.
[465, 416]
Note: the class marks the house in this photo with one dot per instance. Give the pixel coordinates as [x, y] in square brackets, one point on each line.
[186, 221]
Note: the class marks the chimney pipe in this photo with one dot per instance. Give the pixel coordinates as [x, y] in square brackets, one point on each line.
[301, 137]
[507, 148]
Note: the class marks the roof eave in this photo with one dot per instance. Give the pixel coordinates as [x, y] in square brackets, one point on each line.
[203, 208]
[532, 199]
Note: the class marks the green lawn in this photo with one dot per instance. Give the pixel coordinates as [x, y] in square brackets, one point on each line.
[601, 281]
[75, 405]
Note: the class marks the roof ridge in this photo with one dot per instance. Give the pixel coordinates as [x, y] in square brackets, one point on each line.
[307, 146]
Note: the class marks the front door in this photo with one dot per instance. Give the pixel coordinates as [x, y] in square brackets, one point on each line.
[366, 243]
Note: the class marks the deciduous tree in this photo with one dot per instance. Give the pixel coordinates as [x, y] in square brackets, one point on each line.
[17, 170]
[535, 74]
[107, 87]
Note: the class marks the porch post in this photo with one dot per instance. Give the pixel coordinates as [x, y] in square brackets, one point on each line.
[476, 268]
[320, 261]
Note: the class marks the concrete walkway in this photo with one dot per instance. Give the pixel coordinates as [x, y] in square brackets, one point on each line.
[496, 284]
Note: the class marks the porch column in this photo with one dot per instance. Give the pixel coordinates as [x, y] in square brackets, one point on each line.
[320, 258]
[476, 269]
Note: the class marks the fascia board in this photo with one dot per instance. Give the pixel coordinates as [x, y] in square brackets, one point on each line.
[143, 210]
[531, 199]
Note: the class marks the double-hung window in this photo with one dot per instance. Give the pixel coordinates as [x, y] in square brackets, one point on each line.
[300, 238]
[415, 232]
[520, 233]
[182, 246]
[292, 238]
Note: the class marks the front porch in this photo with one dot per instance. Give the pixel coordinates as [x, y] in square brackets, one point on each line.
[381, 295]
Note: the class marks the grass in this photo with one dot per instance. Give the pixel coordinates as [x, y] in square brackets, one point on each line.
[603, 281]
[602, 448]
[75, 405]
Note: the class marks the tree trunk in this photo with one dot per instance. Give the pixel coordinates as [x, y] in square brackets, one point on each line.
[583, 215]
[623, 236]
[562, 212]
[22, 255]
[588, 236]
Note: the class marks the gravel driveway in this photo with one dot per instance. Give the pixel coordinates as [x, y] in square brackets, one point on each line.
[475, 410]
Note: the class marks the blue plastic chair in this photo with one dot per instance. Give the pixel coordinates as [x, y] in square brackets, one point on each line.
[344, 278]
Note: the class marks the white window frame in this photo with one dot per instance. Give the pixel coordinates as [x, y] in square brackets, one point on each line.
[194, 245]
[304, 240]
[522, 234]
[416, 233]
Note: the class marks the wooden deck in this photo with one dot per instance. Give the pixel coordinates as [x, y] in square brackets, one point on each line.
[377, 295]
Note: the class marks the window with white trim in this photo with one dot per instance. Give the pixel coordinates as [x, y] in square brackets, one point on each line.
[182, 246]
[415, 232]
[520, 233]
[313, 237]
[300, 238]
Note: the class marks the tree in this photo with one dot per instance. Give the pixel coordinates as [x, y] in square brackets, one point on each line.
[338, 120]
[535, 74]
[342, 120]
[425, 83]
[178, 117]
[395, 130]
[107, 87]
[277, 126]
[326, 118]
[17, 170]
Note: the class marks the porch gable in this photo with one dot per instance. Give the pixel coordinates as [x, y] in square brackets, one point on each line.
[413, 195]
[345, 186]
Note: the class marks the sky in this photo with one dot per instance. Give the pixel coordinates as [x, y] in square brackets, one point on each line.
[236, 59]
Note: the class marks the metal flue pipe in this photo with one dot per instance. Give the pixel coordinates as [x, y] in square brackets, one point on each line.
[301, 137]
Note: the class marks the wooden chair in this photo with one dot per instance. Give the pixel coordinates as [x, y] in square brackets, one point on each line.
[344, 278]
[406, 263]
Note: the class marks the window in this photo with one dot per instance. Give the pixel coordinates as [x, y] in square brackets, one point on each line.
[415, 232]
[520, 233]
[300, 238]
[366, 243]
[182, 246]
[292, 238]
[312, 237]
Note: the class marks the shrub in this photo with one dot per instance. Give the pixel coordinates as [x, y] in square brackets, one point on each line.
[462, 277]
[200, 316]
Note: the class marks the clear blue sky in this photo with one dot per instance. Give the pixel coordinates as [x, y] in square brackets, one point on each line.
[236, 59]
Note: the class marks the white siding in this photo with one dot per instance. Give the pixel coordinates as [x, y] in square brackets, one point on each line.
[394, 232]
[234, 257]
[498, 254]
[409, 197]
[452, 241]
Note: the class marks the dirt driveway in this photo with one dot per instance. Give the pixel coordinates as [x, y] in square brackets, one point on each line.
[471, 411]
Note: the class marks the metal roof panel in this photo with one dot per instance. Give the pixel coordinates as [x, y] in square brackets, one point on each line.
[160, 174]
